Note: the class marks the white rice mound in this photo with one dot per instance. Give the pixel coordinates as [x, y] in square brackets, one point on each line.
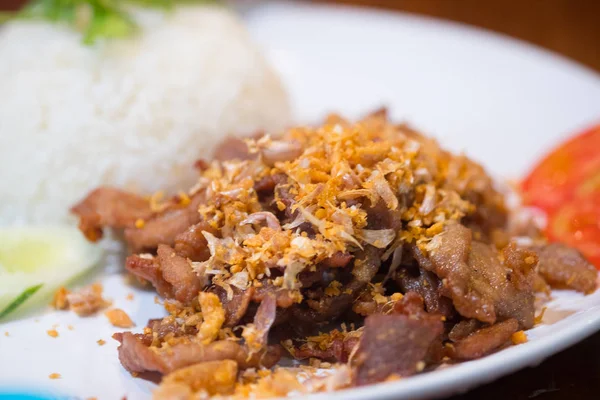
[134, 113]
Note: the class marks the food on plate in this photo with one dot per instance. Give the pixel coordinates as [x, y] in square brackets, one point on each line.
[576, 223]
[20, 299]
[119, 318]
[36, 261]
[362, 244]
[566, 187]
[519, 337]
[133, 108]
[52, 333]
[564, 267]
[211, 377]
[83, 302]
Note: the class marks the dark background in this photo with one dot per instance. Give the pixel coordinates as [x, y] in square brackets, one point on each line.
[568, 27]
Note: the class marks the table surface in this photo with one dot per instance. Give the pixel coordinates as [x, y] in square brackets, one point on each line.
[569, 27]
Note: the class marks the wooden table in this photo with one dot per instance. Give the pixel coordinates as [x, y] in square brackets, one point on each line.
[572, 28]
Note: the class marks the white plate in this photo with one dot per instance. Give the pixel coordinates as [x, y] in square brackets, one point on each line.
[501, 101]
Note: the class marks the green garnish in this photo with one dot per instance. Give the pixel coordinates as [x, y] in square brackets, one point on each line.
[20, 299]
[30, 255]
[95, 19]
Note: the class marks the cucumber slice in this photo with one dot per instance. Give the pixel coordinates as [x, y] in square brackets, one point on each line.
[22, 298]
[36, 261]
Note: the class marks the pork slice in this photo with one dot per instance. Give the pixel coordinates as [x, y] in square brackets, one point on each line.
[394, 344]
[192, 244]
[484, 341]
[267, 183]
[412, 305]
[479, 284]
[563, 267]
[164, 227]
[448, 259]
[334, 352]
[463, 329]
[339, 350]
[149, 269]
[366, 265]
[282, 193]
[325, 272]
[509, 284]
[138, 358]
[236, 307]
[176, 270]
[107, 207]
[426, 284]
[490, 209]
[338, 260]
[170, 274]
[324, 309]
[320, 276]
[380, 216]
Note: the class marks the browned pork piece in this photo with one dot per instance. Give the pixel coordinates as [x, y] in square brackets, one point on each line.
[429, 286]
[165, 225]
[565, 268]
[395, 345]
[480, 285]
[484, 341]
[173, 276]
[137, 357]
[359, 243]
[109, 208]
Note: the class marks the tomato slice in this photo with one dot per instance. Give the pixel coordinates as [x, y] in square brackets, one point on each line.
[590, 186]
[566, 185]
[577, 223]
[559, 176]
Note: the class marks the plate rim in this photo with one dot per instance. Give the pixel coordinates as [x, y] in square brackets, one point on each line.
[377, 12]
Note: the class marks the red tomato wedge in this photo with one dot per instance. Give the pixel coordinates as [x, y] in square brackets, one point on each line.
[566, 186]
[559, 176]
[577, 224]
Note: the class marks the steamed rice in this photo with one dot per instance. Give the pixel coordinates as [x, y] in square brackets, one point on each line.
[142, 109]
